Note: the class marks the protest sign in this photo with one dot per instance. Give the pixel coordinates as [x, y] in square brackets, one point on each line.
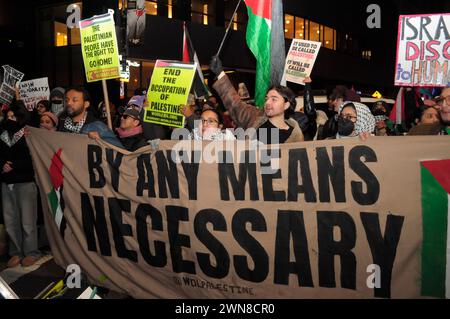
[99, 47]
[423, 50]
[169, 88]
[33, 91]
[156, 227]
[11, 77]
[300, 60]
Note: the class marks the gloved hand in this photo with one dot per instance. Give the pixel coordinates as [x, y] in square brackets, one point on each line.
[216, 65]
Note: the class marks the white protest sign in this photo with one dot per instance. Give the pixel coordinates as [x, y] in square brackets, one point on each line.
[33, 91]
[423, 50]
[11, 76]
[300, 60]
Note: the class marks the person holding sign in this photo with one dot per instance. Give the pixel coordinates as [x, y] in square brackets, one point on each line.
[272, 124]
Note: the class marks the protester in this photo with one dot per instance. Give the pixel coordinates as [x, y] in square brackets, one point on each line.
[49, 121]
[130, 131]
[19, 192]
[383, 126]
[43, 106]
[151, 131]
[354, 120]
[280, 104]
[335, 100]
[210, 128]
[443, 103]
[57, 100]
[78, 120]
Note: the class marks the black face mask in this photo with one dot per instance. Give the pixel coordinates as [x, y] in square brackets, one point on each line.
[378, 112]
[345, 126]
[11, 126]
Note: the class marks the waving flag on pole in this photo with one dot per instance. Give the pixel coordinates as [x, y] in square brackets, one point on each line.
[265, 38]
[189, 55]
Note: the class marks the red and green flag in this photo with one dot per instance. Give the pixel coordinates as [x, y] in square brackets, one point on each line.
[265, 38]
[55, 197]
[436, 235]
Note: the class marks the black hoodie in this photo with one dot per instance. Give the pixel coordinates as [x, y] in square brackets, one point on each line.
[18, 154]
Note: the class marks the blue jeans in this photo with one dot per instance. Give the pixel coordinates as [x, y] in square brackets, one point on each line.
[20, 216]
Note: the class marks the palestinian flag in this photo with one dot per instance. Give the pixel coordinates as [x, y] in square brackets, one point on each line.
[398, 111]
[265, 38]
[189, 55]
[436, 232]
[55, 196]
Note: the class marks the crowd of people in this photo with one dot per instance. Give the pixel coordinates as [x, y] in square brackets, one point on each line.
[279, 121]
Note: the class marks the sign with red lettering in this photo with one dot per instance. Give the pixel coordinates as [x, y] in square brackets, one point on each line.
[423, 50]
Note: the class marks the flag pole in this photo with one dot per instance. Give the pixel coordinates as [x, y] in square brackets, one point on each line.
[105, 95]
[228, 28]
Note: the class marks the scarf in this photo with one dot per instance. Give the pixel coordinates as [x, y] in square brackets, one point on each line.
[15, 138]
[72, 127]
[131, 132]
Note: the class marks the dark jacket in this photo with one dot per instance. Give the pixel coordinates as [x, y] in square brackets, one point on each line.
[93, 124]
[18, 154]
[307, 119]
[135, 142]
[248, 116]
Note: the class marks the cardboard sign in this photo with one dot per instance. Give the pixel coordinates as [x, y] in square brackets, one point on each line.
[169, 88]
[300, 60]
[11, 77]
[99, 47]
[330, 219]
[33, 91]
[423, 50]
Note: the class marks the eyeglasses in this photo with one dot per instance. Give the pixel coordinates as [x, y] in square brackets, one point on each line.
[125, 116]
[440, 100]
[209, 121]
[349, 117]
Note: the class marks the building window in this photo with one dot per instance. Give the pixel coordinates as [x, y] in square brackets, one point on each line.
[151, 7]
[289, 26]
[169, 9]
[328, 38]
[300, 28]
[239, 20]
[60, 34]
[75, 36]
[314, 31]
[202, 11]
[367, 55]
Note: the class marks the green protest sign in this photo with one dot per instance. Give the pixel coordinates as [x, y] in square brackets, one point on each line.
[169, 88]
[99, 47]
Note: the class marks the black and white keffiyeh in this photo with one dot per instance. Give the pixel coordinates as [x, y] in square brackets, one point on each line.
[72, 127]
[10, 141]
[365, 121]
